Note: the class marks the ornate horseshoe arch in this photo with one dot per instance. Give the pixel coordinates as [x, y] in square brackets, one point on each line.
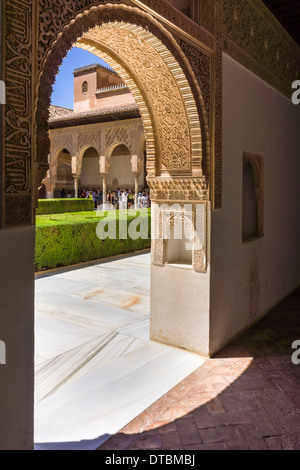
[156, 71]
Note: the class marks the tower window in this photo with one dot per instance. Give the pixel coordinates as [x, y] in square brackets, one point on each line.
[84, 88]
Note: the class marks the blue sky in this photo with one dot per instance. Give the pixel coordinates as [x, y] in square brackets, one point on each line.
[63, 89]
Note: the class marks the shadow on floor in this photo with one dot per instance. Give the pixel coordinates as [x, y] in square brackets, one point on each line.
[245, 398]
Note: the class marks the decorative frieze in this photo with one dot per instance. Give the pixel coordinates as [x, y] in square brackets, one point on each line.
[178, 189]
[18, 113]
[185, 224]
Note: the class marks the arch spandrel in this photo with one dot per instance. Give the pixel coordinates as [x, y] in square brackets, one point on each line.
[161, 91]
[178, 161]
[61, 140]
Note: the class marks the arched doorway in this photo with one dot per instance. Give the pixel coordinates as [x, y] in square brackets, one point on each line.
[54, 29]
[64, 179]
[169, 99]
[89, 176]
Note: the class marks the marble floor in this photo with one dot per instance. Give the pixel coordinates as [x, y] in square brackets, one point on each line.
[96, 368]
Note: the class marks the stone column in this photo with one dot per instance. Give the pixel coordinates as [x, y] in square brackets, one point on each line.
[49, 183]
[136, 185]
[76, 185]
[136, 168]
[104, 176]
[104, 170]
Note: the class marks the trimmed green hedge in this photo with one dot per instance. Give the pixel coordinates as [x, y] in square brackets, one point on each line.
[65, 243]
[61, 206]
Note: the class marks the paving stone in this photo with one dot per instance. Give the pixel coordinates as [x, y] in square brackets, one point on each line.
[188, 431]
[291, 442]
[170, 427]
[215, 446]
[146, 441]
[231, 419]
[281, 399]
[247, 398]
[219, 434]
[203, 418]
[263, 424]
[215, 407]
[171, 441]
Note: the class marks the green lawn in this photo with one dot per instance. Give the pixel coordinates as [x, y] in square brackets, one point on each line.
[71, 238]
[79, 217]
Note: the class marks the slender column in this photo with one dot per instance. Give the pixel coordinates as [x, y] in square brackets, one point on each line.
[104, 176]
[136, 184]
[76, 185]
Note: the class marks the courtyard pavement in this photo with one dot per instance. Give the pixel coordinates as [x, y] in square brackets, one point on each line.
[245, 398]
[96, 369]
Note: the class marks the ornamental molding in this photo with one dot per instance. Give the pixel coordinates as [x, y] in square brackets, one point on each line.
[244, 29]
[164, 217]
[254, 37]
[119, 135]
[178, 189]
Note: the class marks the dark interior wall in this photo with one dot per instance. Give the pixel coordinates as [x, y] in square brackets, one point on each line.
[1, 108]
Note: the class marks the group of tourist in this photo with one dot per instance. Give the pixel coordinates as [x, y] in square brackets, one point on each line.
[119, 199]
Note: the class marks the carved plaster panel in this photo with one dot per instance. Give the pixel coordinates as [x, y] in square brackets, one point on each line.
[164, 218]
[119, 134]
[178, 189]
[18, 114]
[62, 140]
[90, 139]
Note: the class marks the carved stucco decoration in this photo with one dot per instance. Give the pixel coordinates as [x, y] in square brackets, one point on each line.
[17, 142]
[178, 189]
[59, 141]
[201, 65]
[253, 36]
[217, 123]
[164, 218]
[119, 135]
[254, 48]
[54, 15]
[89, 139]
[152, 76]
[51, 59]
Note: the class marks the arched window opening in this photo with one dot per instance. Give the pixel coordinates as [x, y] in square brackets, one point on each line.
[252, 198]
[250, 215]
[85, 88]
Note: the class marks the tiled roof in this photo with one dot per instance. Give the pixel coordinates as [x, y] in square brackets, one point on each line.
[92, 66]
[58, 111]
[96, 115]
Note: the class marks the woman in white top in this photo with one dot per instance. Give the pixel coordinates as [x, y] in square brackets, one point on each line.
[124, 200]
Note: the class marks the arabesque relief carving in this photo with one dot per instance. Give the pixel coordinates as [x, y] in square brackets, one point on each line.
[119, 134]
[134, 47]
[264, 47]
[18, 114]
[178, 189]
[184, 214]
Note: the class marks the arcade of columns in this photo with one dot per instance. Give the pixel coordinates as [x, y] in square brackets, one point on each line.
[104, 138]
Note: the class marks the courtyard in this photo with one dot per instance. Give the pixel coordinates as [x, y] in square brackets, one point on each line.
[101, 383]
[96, 369]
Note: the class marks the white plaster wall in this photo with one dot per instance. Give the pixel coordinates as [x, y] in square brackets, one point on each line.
[180, 304]
[249, 279]
[120, 168]
[16, 330]
[180, 308]
[90, 177]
